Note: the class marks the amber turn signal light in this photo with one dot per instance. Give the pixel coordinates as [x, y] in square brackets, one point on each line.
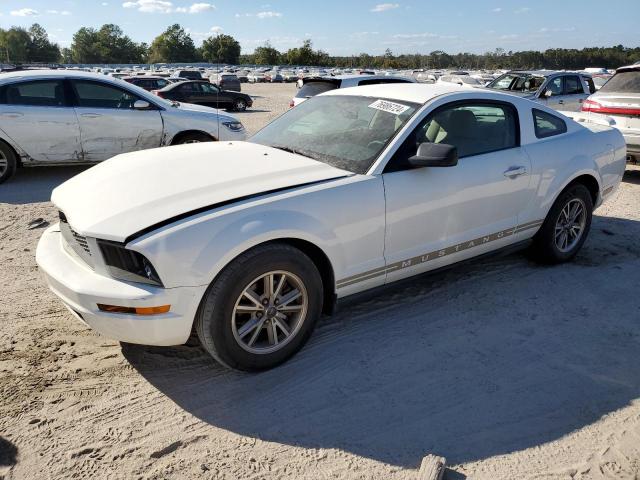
[134, 310]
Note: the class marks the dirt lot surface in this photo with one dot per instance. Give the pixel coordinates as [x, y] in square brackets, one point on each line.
[509, 369]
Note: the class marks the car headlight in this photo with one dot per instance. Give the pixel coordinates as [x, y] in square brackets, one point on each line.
[125, 264]
[234, 126]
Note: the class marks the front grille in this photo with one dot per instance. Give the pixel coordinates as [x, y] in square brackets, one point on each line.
[76, 242]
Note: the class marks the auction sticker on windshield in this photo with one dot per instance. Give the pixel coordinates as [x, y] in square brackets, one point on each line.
[391, 107]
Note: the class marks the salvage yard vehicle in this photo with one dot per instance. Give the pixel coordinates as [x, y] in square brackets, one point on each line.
[618, 104]
[312, 86]
[148, 82]
[249, 242]
[62, 117]
[207, 94]
[558, 90]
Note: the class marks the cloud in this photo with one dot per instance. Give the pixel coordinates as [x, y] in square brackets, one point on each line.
[196, 8]
[523, 10]
[150, 6]
[361, 34]
[268, 14]
[497, 10]
[59, 12]
[260, 15]
[105, 4]
[512, 36]
[558, 29]
[216, 29]
[24, 12]
[383, 7]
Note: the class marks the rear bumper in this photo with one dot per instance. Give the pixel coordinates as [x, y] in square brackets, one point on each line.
[81, 290]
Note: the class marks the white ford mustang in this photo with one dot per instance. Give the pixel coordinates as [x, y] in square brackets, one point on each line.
[247, 243]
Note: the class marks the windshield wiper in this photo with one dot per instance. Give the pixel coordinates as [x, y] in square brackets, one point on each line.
[290, 150]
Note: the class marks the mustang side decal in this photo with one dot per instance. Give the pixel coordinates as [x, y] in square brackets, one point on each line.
[427, 257]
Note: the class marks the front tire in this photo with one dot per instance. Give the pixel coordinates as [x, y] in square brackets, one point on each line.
[261, 309]
[8, 162]
[566, 227]
[193, 138]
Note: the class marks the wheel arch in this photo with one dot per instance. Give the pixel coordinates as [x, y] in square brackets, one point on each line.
[590, 182]
[183, 133]
[13, 149]
[317, 255]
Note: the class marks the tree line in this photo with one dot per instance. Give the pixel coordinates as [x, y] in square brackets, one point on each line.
[110, 45]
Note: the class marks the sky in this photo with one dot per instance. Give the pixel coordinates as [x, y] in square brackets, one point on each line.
[343, 27]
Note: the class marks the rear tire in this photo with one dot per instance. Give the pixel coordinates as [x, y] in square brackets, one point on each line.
[194, 138]
[8, 162]
[566, 227]
[240, 105]
[261, 309]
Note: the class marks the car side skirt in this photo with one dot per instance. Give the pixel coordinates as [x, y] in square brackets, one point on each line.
[427, 257]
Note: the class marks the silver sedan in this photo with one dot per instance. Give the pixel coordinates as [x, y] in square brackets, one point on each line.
[62, 117]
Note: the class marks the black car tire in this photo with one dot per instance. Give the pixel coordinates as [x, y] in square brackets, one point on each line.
[215, 318]
[240, 105]
[8, 162]
[545, 248]
[194, 137]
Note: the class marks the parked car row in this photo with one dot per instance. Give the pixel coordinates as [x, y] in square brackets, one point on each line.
[61, 117]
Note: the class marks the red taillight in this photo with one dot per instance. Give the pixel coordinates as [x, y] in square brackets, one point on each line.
[592, 106]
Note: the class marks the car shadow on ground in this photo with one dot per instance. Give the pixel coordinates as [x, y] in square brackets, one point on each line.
[632, 175]
[35, 184]
[8, 453]
[494, 357]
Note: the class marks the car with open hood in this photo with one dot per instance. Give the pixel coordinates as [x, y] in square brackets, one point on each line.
[248, 243]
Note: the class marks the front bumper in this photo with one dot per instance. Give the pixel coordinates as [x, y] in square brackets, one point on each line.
[81, 290]
[228, 135]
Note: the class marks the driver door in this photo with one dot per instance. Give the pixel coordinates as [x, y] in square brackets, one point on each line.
[440, 215]
[109, 125]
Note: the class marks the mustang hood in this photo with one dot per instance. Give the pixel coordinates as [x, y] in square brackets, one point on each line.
[131, 192]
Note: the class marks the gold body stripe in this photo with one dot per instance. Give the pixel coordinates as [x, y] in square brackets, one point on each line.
[427, 257]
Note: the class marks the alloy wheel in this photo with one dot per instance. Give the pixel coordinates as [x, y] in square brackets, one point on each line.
[269, 312]
[570, 225]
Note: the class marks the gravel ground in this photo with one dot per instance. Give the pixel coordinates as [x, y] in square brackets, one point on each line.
[509, 369]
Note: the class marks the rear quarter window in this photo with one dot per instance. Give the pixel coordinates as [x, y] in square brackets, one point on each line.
[547, 125]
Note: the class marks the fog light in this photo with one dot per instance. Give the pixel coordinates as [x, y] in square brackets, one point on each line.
[134, 310]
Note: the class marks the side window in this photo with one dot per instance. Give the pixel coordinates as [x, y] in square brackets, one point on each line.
[189, 88]
[473, 128]
[555, 86]
[573, 85]
[99, 95]
[591, 85]
[161, 83]
[45, 93]
[547, 125]
[208, 88]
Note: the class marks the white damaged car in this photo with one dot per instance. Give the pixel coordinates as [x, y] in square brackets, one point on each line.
[59, 117]
[249, 242]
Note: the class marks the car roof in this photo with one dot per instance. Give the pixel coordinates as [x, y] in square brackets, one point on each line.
[34, 74]
[629, 68]
[419, 93]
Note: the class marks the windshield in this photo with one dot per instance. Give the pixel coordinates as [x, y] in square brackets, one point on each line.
[623, 82]
[518, 82]
[346, 132]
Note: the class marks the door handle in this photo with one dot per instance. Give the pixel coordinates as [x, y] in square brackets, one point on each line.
[90, 115]
[514, 172]
[561, 102]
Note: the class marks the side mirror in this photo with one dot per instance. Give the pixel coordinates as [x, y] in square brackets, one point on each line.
[547, 94]
[435, 155]
[141, 105]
